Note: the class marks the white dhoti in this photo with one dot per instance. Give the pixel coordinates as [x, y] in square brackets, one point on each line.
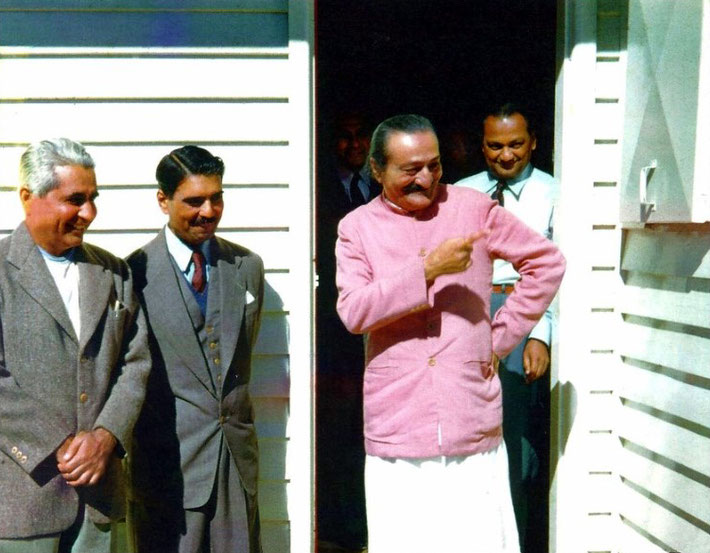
[440, 504]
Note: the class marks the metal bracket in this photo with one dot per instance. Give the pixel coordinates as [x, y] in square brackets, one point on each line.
[644, 177]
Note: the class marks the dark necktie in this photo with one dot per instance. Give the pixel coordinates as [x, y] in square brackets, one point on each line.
[498, 192]
[356, 197]
[198, 277]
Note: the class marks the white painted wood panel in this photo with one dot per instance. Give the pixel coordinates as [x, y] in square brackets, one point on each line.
[140, 77]
[669, 440]
[165, 122]
[662, 252]
[679, 300]
[662, 392]
[630, 541]
[135, 164]
[603, 161]
[271, 417]
[608, 80]
[685, 493]
[674, 532]
[678, 350]
[605, 205]
[272, 458]
[601, 328]
[597, 534]
[270, 375]
[608, 123]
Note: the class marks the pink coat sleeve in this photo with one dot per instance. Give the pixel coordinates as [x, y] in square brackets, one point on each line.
[540, 265]
[366, 303]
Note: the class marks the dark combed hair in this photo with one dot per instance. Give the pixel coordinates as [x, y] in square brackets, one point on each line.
[183, 162]
[501, 111]
[406, 123]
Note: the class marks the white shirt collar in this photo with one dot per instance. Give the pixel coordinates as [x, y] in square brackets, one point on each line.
[181, 252]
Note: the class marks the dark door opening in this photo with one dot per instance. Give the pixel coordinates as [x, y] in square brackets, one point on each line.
[446, 60]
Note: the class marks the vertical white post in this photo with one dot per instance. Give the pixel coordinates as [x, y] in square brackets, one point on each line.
[300, 465]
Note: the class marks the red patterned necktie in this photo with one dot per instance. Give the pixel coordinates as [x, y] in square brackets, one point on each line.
[198, 277]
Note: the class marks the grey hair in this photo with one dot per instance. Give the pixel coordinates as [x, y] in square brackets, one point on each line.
[408, 123]
[40, 159]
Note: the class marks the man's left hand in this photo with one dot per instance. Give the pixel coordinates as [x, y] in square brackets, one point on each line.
[85, 460]
[536, 359]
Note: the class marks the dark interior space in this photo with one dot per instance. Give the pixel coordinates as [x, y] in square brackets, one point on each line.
[444, 59]
[447, 60]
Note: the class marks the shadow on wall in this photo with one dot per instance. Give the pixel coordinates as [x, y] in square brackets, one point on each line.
[563, 400]
[270, 387]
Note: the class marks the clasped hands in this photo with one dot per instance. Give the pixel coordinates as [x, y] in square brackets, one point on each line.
[82, 459]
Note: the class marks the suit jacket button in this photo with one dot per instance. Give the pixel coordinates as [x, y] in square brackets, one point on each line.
[83, 397]
[222, 418]
[209, 329]
[213, 345]
[14, 449]
[24, 459]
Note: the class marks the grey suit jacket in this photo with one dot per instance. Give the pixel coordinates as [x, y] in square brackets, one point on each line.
[187, 417]
[53, 383]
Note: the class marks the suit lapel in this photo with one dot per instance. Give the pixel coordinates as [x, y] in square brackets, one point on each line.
[95, 287]
[232, 299]
[169, 313]
[36, 279]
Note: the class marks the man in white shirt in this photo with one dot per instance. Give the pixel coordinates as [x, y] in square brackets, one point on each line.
[508, 143]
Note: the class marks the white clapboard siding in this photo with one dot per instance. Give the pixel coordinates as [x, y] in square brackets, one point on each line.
[660, 525]
[666, 347]
[228, 78]
[681, 490]
[246, 101]
[665, 344]
[256, 163]
[147, 121]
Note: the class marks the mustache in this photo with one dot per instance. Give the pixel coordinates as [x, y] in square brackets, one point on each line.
[414, 187]
[205, 220]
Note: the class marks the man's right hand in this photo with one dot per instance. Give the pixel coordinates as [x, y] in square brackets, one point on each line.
[451, 256]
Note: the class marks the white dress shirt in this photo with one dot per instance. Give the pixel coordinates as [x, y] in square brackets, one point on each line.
[65, 273]
[531, 197]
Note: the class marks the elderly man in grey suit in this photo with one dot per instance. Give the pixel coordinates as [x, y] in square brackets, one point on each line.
[196, 459]
[74, 362]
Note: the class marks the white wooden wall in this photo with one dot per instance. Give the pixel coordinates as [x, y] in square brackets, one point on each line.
[631, 381]
[664, 388]
[252, 106]
[663, 383]
[591, 60]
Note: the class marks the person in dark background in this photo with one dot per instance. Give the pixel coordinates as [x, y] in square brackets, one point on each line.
[457, 153]
[508, 144]
[342, 187]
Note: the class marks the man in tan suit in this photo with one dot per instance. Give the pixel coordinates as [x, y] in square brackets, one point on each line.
[73, 364]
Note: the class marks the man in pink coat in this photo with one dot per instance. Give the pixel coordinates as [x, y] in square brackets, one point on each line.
[414, 271]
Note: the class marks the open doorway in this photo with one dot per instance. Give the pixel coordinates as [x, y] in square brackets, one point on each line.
[446, 60]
